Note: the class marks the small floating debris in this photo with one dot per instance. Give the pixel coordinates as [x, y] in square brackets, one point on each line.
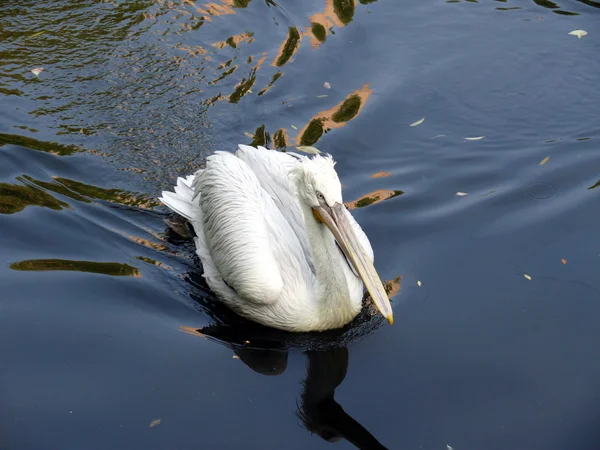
[326, 85]
[294, 127]
[235, 357]
[439, 135]
[578, 33]
[564, 261]
[527, 276]
[461, 194]
[419, 283]
[37, 71]
[544, 161]
[322, 96]
[246, 342]
[418, 122]
[478, 138]
[250, 135]
[154, 423]
[449, 447]
[39, 33]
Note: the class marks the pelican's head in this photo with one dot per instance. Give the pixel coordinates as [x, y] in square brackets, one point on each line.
[317, 181]
[319, 187]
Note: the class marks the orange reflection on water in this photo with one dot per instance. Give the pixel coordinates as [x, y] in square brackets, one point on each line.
[216, 9]
[235, 40]
[149, 244]
[190, 330]
[153, 262]
[392, 287]
[381, 174]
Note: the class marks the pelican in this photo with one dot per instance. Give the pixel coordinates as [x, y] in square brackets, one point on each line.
[276, 242]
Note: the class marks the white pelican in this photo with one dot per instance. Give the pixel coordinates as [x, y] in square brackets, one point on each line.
[276, 242]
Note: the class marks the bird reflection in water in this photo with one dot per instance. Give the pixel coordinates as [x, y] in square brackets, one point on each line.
[318, 409]
[325, 371]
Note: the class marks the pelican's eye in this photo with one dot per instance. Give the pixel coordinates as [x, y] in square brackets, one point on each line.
[320, 196]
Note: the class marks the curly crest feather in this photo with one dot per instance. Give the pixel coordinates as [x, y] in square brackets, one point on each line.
[317, 174]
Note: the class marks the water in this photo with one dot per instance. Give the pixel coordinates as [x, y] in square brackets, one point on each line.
[101, 300]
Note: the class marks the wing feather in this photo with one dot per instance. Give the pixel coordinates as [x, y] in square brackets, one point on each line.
[243, 229]
[273, 169]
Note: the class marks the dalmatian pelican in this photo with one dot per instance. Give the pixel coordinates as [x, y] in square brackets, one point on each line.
[276, 242]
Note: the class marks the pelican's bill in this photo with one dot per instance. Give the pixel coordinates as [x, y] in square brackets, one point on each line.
[336, 220]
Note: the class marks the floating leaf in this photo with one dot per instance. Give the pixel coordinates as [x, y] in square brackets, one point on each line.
[154, 423]
[545, 160]
[578, 33]
[478, 138]
[564, 261]
[309, 149]
[527, 276]
[327, 85]
[37, 71]
[419, 283]
[294, 127]
[322, 96]
[418, 122]
[461, 194]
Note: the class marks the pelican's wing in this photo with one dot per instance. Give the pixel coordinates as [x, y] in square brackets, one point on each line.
[272, 170]
[250, 241]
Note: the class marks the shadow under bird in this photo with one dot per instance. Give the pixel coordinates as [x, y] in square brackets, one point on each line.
[276, 242]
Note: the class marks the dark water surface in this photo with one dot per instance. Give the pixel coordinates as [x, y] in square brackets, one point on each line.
[100, 299]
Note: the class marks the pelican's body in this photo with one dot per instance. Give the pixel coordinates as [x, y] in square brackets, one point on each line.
[262, 220]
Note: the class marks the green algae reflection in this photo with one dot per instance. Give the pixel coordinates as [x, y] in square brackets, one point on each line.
[289, 47]
[110, 195]
[313, 132]
[344, 9]
[319, 31]
[15, 198]
[34, 144]
[105, 268]
[348, 109]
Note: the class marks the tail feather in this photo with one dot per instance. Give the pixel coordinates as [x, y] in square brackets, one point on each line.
[183, 190]
[185, 202]
[181, 201]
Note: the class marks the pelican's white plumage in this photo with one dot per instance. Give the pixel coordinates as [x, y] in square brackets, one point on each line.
[264, 251]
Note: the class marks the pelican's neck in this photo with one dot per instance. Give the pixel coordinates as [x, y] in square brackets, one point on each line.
[331, 286]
